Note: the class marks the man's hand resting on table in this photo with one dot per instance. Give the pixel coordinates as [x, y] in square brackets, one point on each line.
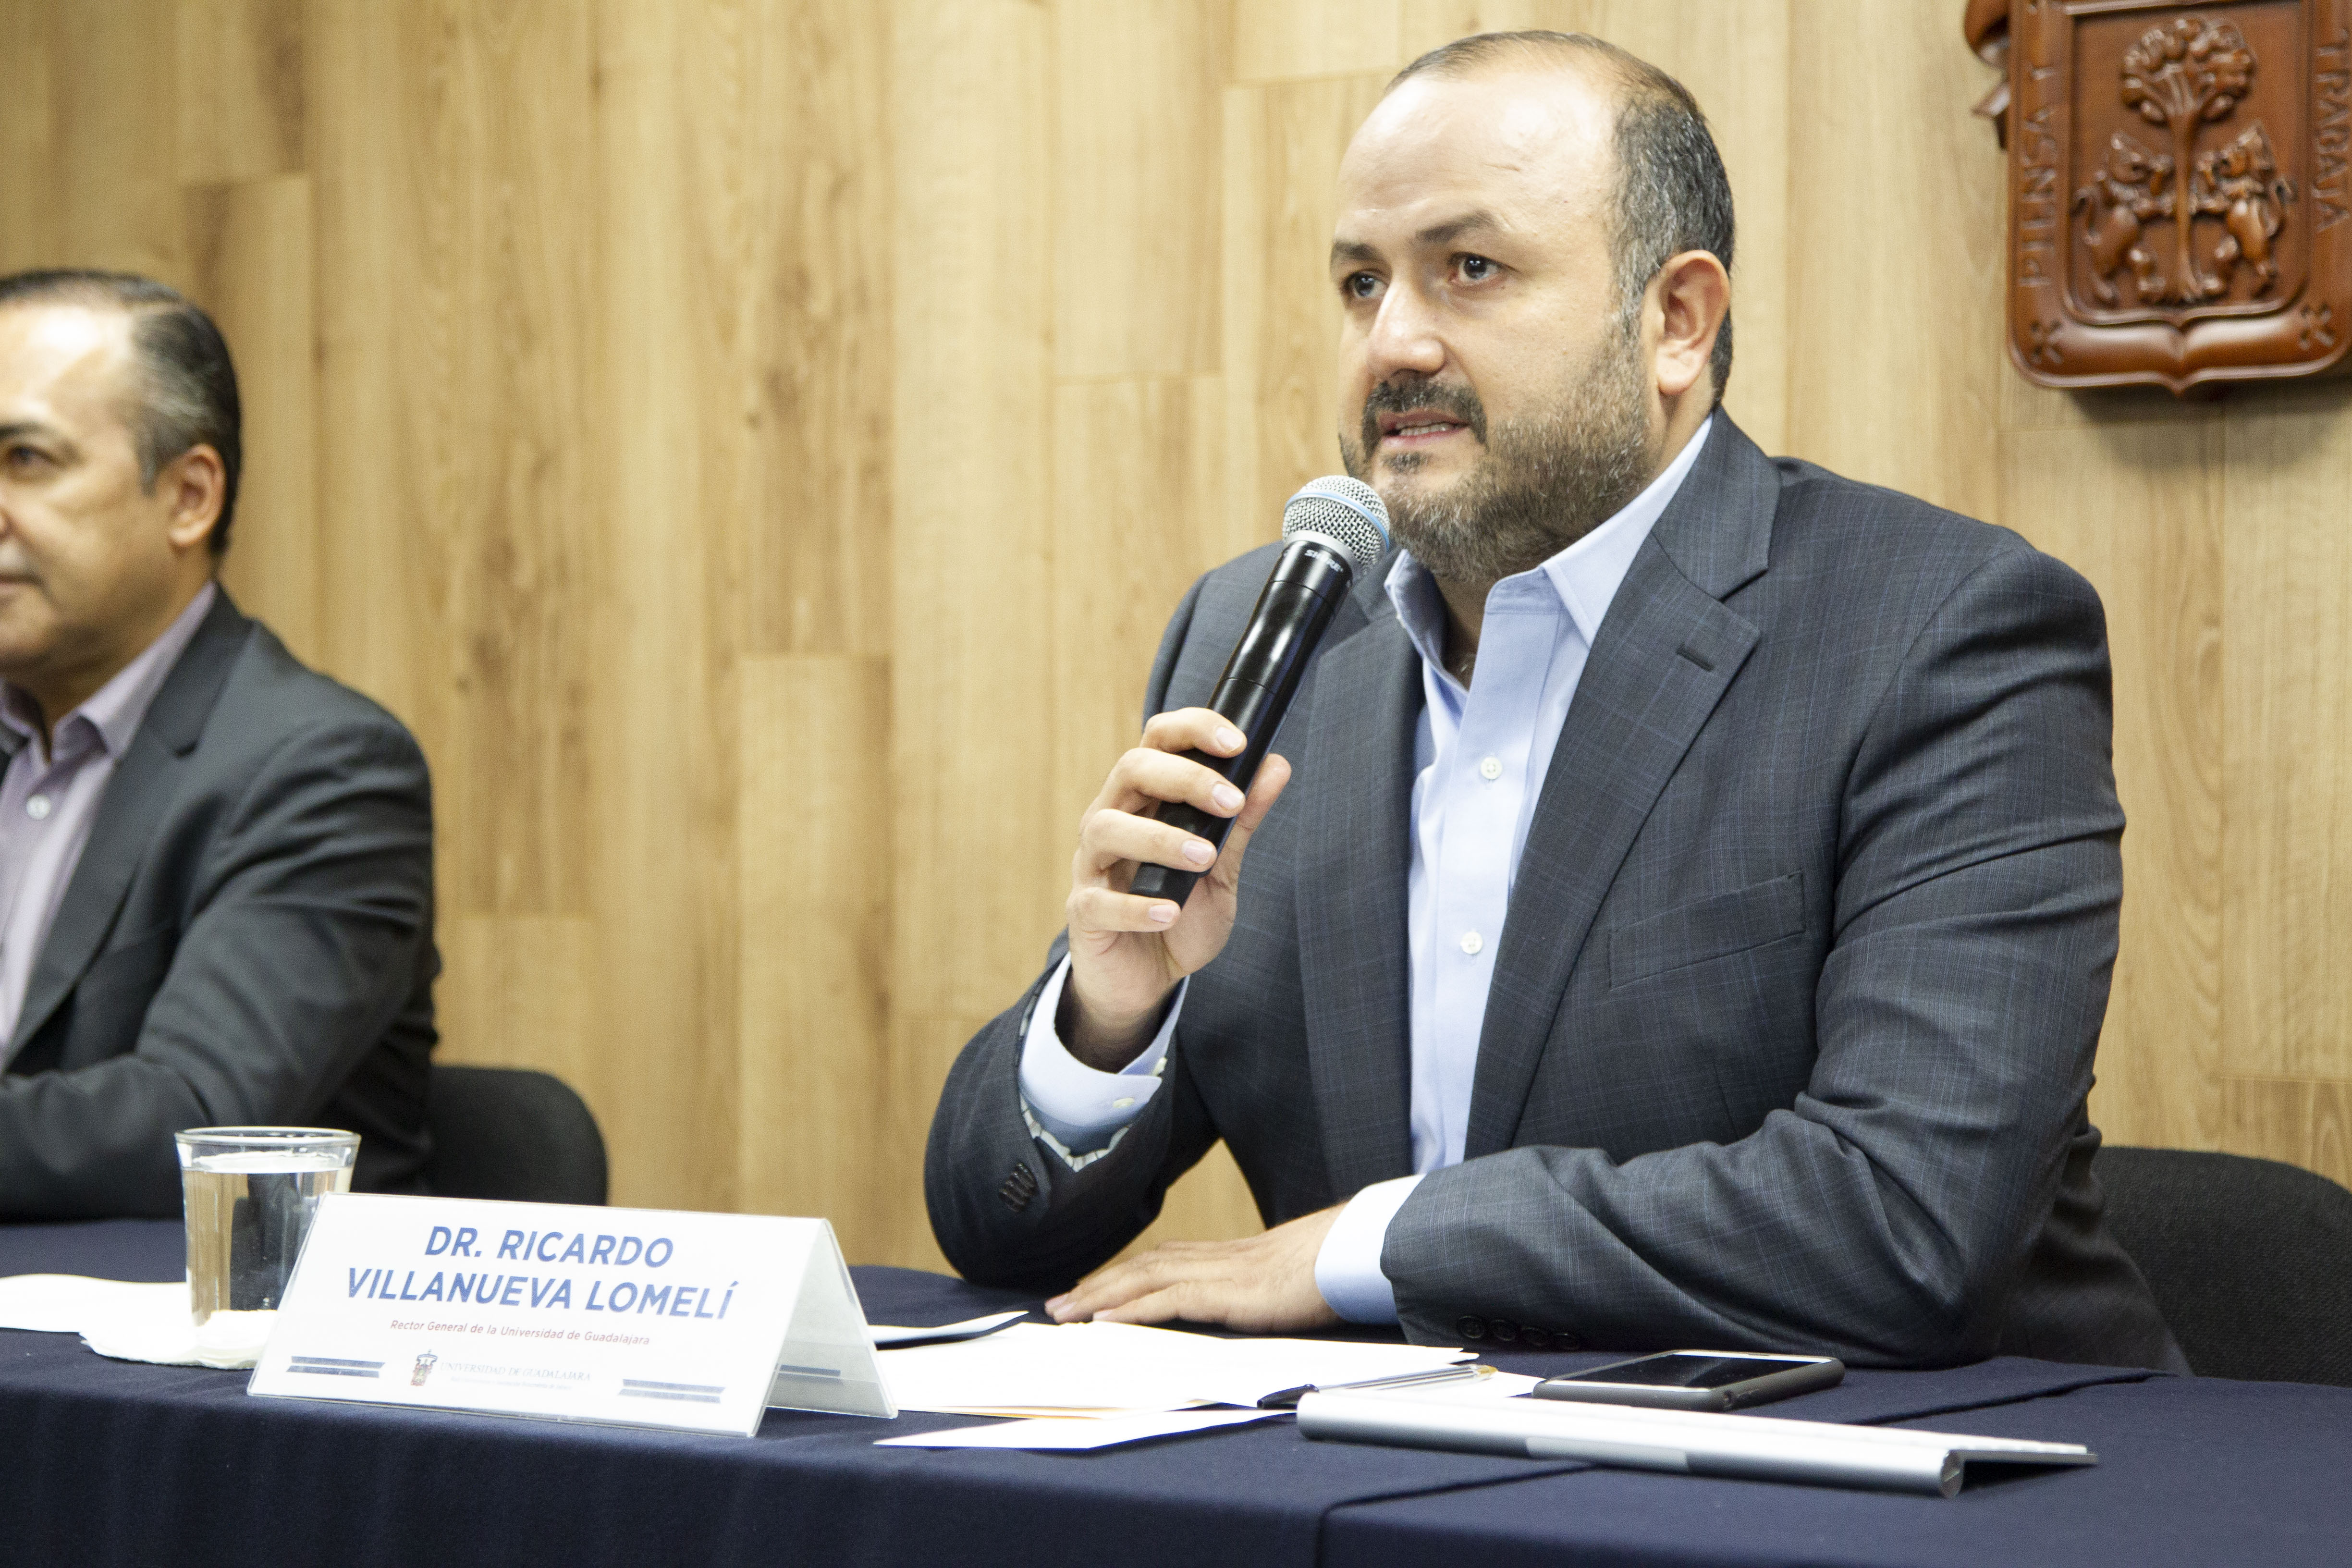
[1263, 1285]
[1127, 953]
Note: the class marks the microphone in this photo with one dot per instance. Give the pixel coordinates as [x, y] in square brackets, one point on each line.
[1334, 528]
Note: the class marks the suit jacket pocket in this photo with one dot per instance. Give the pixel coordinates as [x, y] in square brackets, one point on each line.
[1711, 927]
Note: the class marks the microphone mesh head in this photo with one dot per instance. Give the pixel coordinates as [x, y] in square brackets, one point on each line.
[1345, 513]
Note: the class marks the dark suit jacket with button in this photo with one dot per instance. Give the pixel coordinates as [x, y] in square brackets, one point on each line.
[248, 937]
[1793, 1020]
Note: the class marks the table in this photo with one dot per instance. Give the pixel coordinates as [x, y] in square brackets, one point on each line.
[106, 1462]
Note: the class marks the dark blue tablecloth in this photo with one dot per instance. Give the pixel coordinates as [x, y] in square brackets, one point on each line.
[108, 1462]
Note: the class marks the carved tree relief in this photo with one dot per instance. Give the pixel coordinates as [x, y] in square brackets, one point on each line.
[2179, 78]
[2180, 178]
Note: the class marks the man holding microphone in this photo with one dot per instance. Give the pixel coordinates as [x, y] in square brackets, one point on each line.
[1686, 911]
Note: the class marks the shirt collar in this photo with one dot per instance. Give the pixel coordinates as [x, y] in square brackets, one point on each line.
[1584, 577]
[114, 710]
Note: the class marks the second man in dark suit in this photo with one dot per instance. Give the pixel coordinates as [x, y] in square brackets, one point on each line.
[215, 866]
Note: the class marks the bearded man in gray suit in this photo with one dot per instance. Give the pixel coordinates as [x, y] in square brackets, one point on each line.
[215, 866]
[1691, 918]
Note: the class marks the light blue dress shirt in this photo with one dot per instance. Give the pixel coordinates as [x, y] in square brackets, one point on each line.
[1480, 755]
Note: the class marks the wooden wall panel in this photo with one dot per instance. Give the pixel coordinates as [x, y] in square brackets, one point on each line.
[520, 990]
[666, 704]
[382, 544]
[815, 930]
[981, 857]
[1138, 515]
[31, 174]
[1894, 234]
[1136, 187]
[1314, 37]
[112, 71]
[463, 266]
[793, 193]
[1283, 144]
[241, 89]
[756, 444]
[250, 260]
[980, 861]
[2287, 671]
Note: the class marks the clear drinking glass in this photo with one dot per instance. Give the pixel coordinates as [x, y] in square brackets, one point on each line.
[250, 1193]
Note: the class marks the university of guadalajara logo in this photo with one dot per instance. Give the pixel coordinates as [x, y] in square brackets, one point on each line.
[2180, 179]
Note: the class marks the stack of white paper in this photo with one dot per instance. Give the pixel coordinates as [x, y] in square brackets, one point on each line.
[1074, 1434]
[1105, 1369]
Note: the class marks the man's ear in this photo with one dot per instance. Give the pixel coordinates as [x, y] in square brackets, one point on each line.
[1693, 295]
[197, 484]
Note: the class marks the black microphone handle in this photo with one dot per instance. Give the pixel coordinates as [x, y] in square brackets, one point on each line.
[1293, 612]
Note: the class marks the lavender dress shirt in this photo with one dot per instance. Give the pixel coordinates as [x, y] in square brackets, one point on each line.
[49, 795]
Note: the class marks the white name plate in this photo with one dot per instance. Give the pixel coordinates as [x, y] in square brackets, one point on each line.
[638, 1317]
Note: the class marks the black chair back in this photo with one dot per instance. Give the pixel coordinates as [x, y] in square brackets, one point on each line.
[510, 1132]
[2251, 1260]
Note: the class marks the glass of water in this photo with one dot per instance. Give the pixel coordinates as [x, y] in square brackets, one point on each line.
[250, 1193]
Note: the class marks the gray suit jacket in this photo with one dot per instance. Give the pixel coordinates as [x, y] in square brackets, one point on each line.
[248, 937]
[1792, 1019]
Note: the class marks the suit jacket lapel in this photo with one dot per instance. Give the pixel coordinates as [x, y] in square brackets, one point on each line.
[1356, 792]
[1667, 651]
[130, 813]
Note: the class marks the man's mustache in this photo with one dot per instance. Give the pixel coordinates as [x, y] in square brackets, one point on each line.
[1455, 401]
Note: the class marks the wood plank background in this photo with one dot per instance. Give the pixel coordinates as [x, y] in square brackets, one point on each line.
[754, 444]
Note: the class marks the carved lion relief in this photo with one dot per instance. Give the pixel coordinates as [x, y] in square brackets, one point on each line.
[2178, 187]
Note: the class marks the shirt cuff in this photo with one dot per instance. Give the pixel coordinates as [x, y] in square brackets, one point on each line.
[1347, 1269]
[1084, 1108]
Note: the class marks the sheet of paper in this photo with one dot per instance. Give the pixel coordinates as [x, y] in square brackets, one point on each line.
[1052, 1434]
[1112, 1367]
[888, 1335]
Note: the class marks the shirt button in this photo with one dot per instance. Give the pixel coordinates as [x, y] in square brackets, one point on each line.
[1491, 769]
[1122, 1104]
[37, 808]
[1472, 942]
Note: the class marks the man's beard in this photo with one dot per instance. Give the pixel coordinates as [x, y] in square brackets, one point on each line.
[1543, 483]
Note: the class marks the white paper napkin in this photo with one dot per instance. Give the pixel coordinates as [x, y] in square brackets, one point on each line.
[128, 1322]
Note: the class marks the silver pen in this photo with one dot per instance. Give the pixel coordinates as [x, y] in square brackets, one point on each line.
[1288, 1399]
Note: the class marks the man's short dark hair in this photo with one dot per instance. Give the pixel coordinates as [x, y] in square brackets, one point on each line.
[188, 392]
[1672, 193]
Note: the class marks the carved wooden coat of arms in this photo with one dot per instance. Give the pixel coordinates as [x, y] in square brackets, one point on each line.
[2181, 183]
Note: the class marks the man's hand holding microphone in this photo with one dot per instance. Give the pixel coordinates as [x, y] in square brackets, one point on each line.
[1128, 951]
[1153, 891]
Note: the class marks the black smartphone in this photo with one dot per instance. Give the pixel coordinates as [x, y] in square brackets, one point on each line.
[1699, 1380]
